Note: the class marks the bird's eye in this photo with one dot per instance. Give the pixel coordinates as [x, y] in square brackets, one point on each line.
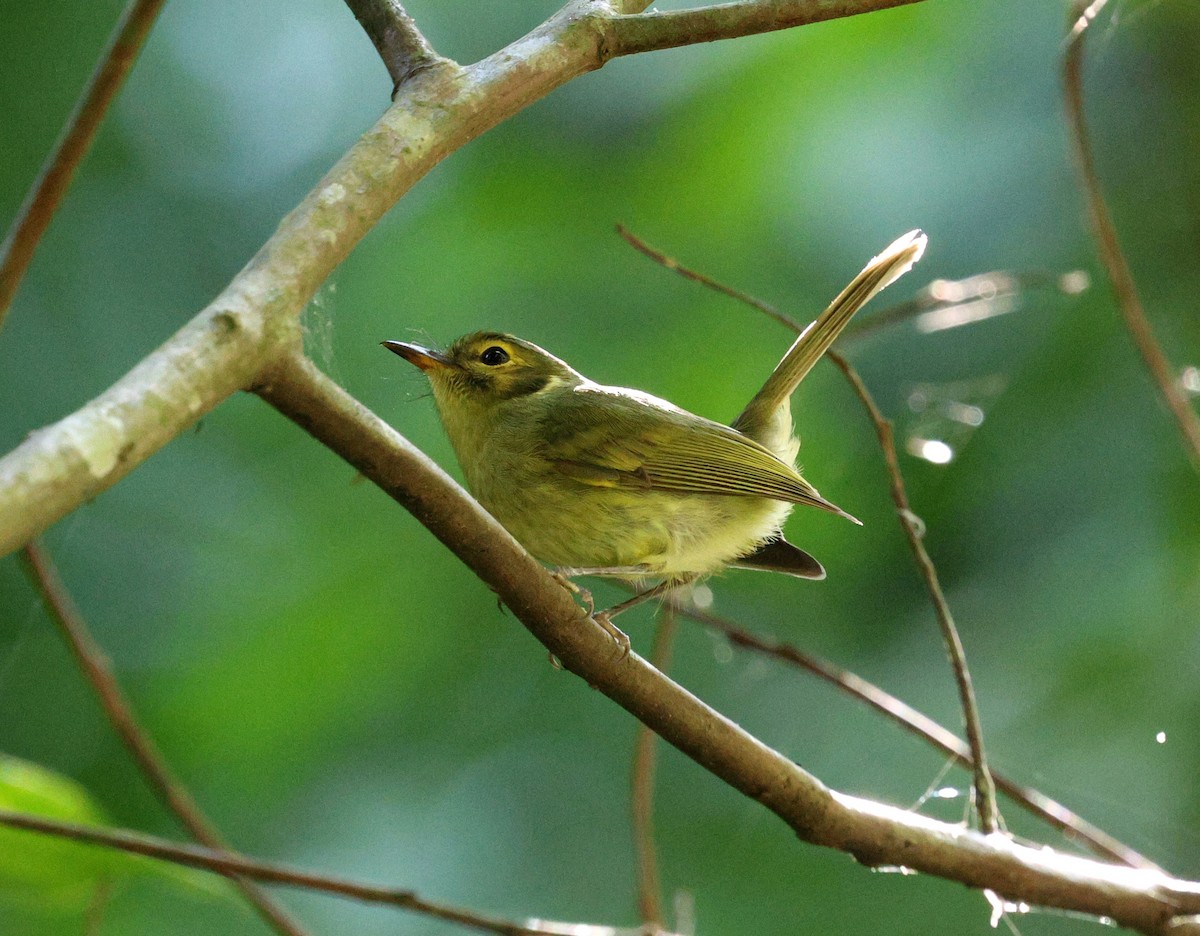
[493, 356]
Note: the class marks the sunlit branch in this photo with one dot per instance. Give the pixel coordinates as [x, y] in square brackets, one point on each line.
[669, 29]
[1055, 814]
[1105, 233]
[95, 667]
[47, 191]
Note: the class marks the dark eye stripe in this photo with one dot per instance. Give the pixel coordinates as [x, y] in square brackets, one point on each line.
[494, 356]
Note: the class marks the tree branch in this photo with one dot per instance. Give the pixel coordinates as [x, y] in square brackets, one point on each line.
[94, 664]
[669, 29]
[876, 834]
[645, 763]
[239, 866]
[52, 182]
[255, 320]
[985, 790]
[1105, 233]
[403, 48]
[1072, 825]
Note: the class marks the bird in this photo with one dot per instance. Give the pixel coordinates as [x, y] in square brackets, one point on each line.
[602, 480]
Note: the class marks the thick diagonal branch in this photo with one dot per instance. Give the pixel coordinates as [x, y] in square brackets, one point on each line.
[1146, 900]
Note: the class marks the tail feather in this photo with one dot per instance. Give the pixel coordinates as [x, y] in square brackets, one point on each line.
[759, 416]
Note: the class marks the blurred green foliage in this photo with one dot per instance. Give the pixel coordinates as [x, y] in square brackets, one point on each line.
[342, 694]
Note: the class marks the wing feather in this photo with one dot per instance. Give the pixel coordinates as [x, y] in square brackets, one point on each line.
[606, 436]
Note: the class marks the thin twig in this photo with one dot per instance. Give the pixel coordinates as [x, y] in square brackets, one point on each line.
[937, 295]
[988, 289]
[1109, 246]
[985, 793]
[669, 29]
[1052, 812]
[402, 46]
[95, 667]
[237, 866]
[47, 191]
[645, 760]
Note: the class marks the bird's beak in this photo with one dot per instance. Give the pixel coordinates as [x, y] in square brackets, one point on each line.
[425, 358]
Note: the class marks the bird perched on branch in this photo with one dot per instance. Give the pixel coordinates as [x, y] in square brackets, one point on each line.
[603, 480]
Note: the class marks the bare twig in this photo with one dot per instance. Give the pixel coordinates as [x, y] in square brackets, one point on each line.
[95, 666]
[970, 299]
[1109, 246]
[985, 793]
[876, 834]
[669, 29]
[1055, 814]
[238, 866]
[401, 45]
[936, 296]
[47, 191]
[642, 782]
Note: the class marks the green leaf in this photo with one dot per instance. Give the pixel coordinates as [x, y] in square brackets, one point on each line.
[58, 875]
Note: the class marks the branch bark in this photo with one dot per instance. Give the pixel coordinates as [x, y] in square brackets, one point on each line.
[670, 29]
[1148, 901]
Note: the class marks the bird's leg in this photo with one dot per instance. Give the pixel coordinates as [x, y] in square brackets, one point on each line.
[604, 618]
[564, 575]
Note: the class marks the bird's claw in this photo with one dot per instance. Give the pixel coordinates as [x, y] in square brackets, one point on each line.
[619, 636]
[575, 589]
[603, 618]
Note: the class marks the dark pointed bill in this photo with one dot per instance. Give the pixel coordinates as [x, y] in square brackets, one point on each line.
[424, 358]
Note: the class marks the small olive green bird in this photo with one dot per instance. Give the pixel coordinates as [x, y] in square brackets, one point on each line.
[610, 481]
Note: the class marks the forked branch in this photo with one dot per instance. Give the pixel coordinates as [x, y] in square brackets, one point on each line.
[401, 45]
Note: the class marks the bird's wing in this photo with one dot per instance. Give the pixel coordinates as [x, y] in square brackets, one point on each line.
[610, 437]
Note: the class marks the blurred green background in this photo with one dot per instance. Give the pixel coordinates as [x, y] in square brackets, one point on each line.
[340, 693]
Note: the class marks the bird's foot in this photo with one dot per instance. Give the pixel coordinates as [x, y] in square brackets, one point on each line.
[562, 576]
[604, 619]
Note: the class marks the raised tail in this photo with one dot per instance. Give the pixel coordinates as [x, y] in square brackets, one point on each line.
[759, 419]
